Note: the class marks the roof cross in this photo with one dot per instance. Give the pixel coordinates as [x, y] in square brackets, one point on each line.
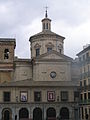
[46, 11]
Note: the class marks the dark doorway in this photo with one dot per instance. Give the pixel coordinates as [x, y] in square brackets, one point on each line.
[64, 113]
[6, 114]
[37, 114]
[23, 114]
[51, 114]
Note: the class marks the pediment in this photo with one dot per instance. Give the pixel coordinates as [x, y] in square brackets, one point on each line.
[54, 55]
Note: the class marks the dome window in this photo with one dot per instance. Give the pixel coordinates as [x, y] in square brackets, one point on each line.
[44, 26]
[47, 26]
[37, 52]
[49, 47]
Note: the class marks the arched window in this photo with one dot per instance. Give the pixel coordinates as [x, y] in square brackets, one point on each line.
[49, 47]
[37, 49]
[37, 114]
[6, 54]
[6, 114]
[64, 113]
[23, 113]
[37, 52]
[47, 26]
[44, 26]
[51, 113]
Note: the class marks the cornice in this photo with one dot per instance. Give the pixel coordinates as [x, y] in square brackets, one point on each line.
[40, 84]
[46, 35]
[51, 60]
[84, 50]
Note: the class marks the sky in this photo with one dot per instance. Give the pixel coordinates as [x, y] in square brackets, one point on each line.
[21, 19]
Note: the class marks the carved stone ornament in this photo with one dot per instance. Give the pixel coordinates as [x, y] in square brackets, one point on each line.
[37, 46]
[49, 45]
[53, 74]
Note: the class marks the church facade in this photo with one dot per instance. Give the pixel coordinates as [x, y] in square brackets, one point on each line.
[44, 87]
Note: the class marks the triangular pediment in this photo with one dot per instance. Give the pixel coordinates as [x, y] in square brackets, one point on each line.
[54, 55]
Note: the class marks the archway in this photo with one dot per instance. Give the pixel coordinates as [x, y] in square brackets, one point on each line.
[37, 114]
[6, 114]
[64, 113]
[51, 114]
[23, 114]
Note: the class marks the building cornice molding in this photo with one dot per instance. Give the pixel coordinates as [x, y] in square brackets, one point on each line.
[46, 35]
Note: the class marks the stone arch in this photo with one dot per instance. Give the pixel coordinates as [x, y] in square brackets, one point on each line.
[64, 113]
[37, 114]
[23, 113]
[6, 114]
[51, 113]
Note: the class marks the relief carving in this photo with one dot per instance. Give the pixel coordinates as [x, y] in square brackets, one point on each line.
[37, 46]
[62, 75]
[49, 45]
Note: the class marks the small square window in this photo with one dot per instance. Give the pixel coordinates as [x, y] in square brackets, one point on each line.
[37, 96]
[64, 96]
[6, 96]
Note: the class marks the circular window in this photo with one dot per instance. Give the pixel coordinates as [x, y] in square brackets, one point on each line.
[53, 74]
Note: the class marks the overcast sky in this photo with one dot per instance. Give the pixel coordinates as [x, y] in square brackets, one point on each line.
[21, 19]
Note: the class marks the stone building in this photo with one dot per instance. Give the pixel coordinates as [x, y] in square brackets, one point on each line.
[44, 87]
[84, 62]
